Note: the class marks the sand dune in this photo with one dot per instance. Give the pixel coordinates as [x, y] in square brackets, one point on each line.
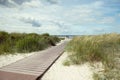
[60, 72]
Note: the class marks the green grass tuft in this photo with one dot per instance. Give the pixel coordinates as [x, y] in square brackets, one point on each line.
[104, 48]
[22, 42]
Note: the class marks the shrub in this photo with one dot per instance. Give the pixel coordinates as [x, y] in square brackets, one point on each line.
[17, 36]
[50, 40]
[66, 63]
[29, 44]
[3, 36]
[45, 34]
[5, 43]
[22, 42]
[56, 39]
[5, 48]
[62, 38]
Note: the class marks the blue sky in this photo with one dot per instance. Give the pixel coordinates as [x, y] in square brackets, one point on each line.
[79, 17]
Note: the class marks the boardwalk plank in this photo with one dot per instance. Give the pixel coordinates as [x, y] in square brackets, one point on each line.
[32, 67]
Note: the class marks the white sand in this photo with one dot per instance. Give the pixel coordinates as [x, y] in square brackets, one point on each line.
[60, 72]
[8, 59]
[62, 41]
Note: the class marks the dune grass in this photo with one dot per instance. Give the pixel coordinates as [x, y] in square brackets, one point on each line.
[21, 42]
[104, 48]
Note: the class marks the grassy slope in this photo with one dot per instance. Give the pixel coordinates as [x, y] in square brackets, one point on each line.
[104, 48]
[22, 42]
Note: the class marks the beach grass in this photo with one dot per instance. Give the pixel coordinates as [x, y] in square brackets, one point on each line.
[98, 48]
[11, 43]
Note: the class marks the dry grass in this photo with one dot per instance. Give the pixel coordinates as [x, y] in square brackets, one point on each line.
[104, 48]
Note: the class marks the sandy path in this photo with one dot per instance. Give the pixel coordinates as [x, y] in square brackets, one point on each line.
[60, 72]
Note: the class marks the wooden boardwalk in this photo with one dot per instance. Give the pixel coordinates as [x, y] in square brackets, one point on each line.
[33, 67]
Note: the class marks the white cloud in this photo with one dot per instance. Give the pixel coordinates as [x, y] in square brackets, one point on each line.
[51, 28]
[119, 14]
[19, 28]
[55, 19]
[98, 29]
[98, 4]
[33, 3]
[107, 20]
[82, 14]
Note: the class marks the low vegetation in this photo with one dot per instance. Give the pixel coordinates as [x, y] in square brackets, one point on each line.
[98, 48]
[62, 38]
[22, 42]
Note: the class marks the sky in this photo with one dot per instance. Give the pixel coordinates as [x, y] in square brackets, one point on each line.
[60, 17]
